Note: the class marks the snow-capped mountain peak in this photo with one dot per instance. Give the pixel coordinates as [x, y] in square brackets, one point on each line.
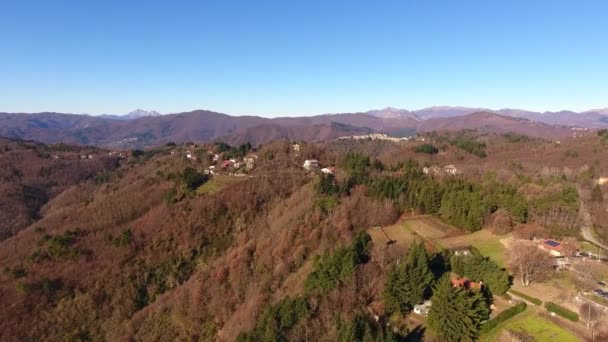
[140, 113]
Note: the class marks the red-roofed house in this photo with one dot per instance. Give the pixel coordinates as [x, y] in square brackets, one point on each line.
[465, 283]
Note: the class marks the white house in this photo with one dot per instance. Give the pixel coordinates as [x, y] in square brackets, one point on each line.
[423, 308]
[328, 170]
[311, 164]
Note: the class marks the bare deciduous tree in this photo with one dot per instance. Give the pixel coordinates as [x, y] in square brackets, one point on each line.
[501, 222]
[529, 263]
[591, 315]
[569, 247]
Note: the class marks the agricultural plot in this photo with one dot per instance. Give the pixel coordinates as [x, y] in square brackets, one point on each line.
[431, 228]
[488, 244]
[538, 327]
[217, 183]
[399, 234]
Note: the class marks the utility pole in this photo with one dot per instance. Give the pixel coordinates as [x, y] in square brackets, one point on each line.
[589, 316]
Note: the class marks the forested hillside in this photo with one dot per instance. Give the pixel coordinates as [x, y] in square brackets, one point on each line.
[32, 173]
[159, 249]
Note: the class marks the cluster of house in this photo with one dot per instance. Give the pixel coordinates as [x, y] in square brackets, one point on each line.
[116, 154]
[313, 164]
[373, 136]
[248, 162]
[436, 170]
[86, 156]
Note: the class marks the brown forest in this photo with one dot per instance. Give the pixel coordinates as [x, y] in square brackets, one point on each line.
[110, 248]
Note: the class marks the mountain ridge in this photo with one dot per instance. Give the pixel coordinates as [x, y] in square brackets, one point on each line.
[205, 125]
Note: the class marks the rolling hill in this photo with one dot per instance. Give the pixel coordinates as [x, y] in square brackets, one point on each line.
[203, 125]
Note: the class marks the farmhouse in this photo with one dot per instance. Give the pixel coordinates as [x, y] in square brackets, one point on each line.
[552, 247]
[311, 164]
[296, 147]
[328, 170]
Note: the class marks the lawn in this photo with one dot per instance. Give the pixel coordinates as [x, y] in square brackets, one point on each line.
[589, 247]
[487, 243]
[530, 323]
[217, 183]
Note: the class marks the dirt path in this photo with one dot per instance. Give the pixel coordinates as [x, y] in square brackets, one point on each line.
[586, 227]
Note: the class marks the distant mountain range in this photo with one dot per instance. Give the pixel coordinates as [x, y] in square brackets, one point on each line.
[142, 128]
[596, 118]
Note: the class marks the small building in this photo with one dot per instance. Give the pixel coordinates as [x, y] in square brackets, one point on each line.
[311, 164]
[216, 157]
[552, 247]
[602, 180]
[250, 161]
[424, 308]
[328, 170]
[461, 251]
[450, 169]
[296, 147]
[465, 283]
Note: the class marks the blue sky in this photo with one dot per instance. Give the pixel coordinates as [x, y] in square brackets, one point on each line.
[276, 58]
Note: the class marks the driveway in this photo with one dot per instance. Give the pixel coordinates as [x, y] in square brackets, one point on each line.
[586, 228]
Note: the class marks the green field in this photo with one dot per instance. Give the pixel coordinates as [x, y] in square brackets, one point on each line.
[487, 243]
[217, 183]
[540, 328]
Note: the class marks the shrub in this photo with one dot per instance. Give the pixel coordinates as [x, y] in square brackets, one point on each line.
[503, 316]
[125, 238]
[170, 196]
[18, 272]
[326, 203]
[562, 311]
[58, 247]
[427, 148]
[530, 299]
[137, 153]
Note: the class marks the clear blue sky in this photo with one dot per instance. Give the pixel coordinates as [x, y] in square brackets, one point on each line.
[286, 57]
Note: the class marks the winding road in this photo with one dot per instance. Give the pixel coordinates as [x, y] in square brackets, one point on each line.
[586, 228]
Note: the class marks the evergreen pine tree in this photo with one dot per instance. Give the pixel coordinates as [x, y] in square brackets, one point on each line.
[408, 282]
[456, 314]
